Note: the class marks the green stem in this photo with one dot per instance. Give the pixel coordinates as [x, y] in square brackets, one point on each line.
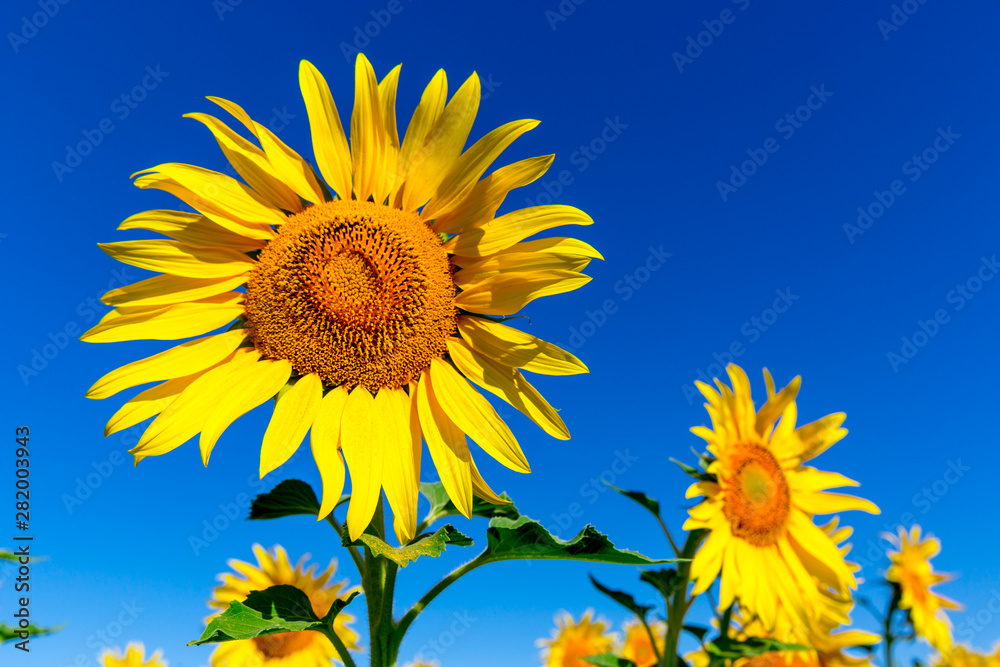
[373, 580]
[359, 562]
[888, 637]
[670, 538]
[338, 644]
[652, 640]
[419, 605]
[679, 603]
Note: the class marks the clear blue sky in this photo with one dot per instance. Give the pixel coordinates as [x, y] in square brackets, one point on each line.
[837, 110]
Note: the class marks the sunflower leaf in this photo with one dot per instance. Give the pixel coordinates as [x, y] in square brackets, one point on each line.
[622, 598]
[524, 539]
[428, 544]
[651, 504]
[694, 472]
[6, 555]
[664, 580]
[726, 648]
[609, 660]
[441, 505]
[268, 612]
[289, 498]
[8, 633]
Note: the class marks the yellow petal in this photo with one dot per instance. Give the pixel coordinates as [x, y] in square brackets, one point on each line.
[293, 414]
[507, 293]
[832, 503]
[179, 259]
[185, 359]
[151, 402]
[222, 198]
[516, 348]
[251, 163]
[294, 171]
[367, 133]
[399, 478]
[325, 440]
[181, 320]
[472, 413]
[487, 195]
[517, 262]
[448, 448]
[333, 156]
[470, 166]
[390, 140]
[192, 229]
[363, 439]
[483, 490]
[503, 232]
[508, 384]
[184, 417]
[425, 116]
[166, 289]
[250, 387]
[433, 158]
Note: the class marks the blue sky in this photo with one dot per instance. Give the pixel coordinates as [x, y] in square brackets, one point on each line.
[809, 188]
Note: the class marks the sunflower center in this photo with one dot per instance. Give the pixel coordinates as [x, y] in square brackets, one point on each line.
[356, 292]
[757, 498]
[282, 644]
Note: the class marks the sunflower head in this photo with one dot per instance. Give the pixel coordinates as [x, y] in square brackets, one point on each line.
[289, 649]
[961, 656]
[758, 503]
[572, 640]
[361, 297]
[637, 646]
[912, 572]
[134, 656]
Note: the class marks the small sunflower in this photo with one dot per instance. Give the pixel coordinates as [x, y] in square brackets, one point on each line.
[637, 646]
[760, 504]
[960, 656]
[367, 302]
[572, 641]
[134, 656]
[911, 569]
[287, 649]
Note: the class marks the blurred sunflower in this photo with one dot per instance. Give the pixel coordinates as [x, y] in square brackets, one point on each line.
[760, 502]
[134, 656]
[572, 641]
[637, 646]
[365, 301]
[287, 649]
[960, 656]
[911, 570]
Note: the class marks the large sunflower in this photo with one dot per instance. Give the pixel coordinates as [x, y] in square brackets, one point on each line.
[287, 649]
[911, 569]
[365, 303]
[134, 656]
[573, 641]
[759, 502]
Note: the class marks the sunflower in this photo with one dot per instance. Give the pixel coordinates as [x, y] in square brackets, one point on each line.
[364, 301]
[960, 656]
[759, 500]
[637, 646]
[287, 649]
[134, 656]
[911, 570]
[572, 641]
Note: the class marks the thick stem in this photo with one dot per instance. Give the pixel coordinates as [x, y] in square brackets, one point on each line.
[887, 635]
[679, 603]
[373, 581]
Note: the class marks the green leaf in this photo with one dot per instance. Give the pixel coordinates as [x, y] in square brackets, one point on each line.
[622, 598]
[7, 555]
[609, 660]
[527, 539]
[725, 648]
[698, 631]
[694, 472]
[441, 505]
[268, 612]
[289, 498]
[652, 505]
[8, 633]
[425, 545]
[664, 580]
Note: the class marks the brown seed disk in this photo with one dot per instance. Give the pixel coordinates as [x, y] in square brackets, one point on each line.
[756, 498]
[359, 293]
